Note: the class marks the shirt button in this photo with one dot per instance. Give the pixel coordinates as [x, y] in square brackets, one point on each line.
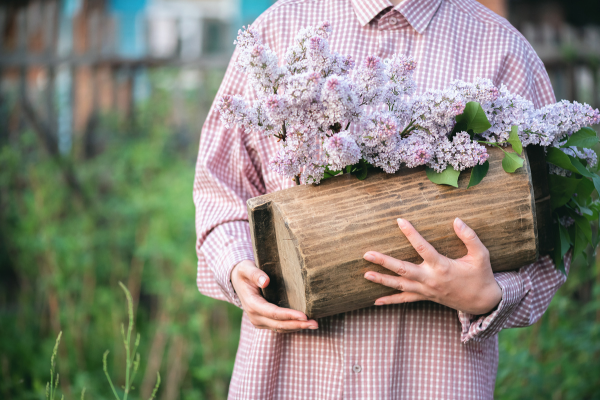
[356, 368]
[392, 21]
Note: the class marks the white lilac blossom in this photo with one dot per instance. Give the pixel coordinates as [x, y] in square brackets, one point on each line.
[328, 113]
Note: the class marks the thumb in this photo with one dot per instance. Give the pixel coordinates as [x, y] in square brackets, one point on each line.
[470, 239]
[260, 278]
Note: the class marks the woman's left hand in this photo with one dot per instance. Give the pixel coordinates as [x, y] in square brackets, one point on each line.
[466, 284]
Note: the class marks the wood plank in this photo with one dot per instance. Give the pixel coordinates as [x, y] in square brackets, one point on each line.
[333, 224]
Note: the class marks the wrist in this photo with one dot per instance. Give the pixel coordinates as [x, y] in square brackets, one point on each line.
[492, 300]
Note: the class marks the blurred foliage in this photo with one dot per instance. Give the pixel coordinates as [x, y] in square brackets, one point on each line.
[61, 261]
[559, 357]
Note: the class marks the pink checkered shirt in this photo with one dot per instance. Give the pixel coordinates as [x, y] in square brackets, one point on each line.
[411, 351]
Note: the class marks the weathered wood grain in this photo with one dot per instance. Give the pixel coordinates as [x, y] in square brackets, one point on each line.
[311, 239]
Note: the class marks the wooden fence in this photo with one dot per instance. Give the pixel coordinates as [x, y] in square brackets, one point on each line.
[64, 72]
[61, 72]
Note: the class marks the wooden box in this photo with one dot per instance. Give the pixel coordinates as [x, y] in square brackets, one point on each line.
[310, 240]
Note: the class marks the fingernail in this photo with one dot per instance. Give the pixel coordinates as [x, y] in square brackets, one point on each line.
[301, 319]
[369, 276]
[401, 223]
[460, 223]
[369, 257]
[261, 281]
[378, 303]
[313, 327]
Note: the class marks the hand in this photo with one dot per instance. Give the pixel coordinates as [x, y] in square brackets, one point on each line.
[466, 284]
[247, 280]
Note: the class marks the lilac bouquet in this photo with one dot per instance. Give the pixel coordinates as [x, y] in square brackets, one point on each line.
[332, 116]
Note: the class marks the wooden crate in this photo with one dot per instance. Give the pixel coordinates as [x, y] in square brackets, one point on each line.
[310, 240]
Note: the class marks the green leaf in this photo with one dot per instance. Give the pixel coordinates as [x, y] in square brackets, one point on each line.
[565, 240]
[362, 174]
[514, 140]
[583, 225]
[478, 173]
[361, 169]
[560, 159]
[584, 171]
[511, 162]
[585, 137]
[585, 189]
[329, 173]
[472, 119]
[561, 189]
[449, 176]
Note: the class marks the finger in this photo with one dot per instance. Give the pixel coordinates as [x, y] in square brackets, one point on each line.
[402, 268]
[395, 282]
[470, 239]
[257, 305]
[260, 278]
[284, 326]
[404, 297]
[250, 273]
[422, 246]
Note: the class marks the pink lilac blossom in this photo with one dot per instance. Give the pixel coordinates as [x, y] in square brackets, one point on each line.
[339, 101]
[566, 221]
[341, 150]
[434, 112]
[482, 90]
[369, 80]
[259, 62]
[327, 112]
[505, 111]
[415, 151]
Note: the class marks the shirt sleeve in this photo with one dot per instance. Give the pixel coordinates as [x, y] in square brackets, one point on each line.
[526, 293]
[228, 173]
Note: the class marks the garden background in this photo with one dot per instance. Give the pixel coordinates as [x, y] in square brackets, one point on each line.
[101, 107]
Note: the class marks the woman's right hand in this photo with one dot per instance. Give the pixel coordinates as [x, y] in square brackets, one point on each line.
[247, 280]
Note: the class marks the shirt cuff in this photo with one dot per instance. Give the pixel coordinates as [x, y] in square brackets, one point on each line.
[480, 327]
[225, 247]
[232, 256]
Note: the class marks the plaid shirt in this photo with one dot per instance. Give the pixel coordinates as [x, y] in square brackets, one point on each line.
[413, 351]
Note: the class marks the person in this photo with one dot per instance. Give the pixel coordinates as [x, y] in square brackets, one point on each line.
[438, 338]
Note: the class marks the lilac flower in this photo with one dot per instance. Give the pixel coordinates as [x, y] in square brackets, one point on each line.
[434, 112]
[503, 113]
[339, 101]
[369, 79]
[327, 113]
[566, 221]
[415, 151]
[482, 90]
[341, 150]
[259, 62]
[587, 155]
[379, 127]
[277, 108]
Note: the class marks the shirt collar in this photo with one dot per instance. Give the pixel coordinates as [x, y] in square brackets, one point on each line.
[418, 13]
